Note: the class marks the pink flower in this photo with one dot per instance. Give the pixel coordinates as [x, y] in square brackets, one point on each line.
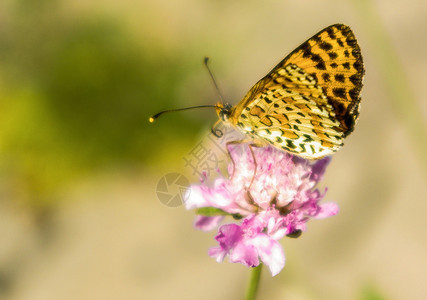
[275, 200]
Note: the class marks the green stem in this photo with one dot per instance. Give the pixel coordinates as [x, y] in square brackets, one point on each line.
[254, 283]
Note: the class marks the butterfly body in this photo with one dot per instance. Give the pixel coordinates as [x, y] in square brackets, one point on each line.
[310, 101]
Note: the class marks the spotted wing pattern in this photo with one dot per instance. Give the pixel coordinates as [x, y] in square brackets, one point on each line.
[309, 102]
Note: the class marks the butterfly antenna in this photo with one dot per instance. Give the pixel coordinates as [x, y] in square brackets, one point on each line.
[206, 60]
[154, 117]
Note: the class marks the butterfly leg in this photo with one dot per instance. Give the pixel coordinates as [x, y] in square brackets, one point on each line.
[227, 146]
[255, 163]
[251, 145]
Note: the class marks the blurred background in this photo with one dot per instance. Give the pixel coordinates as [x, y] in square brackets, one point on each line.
[79, 163]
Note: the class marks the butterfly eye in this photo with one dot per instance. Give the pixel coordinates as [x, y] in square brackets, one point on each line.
[223, 115]
[225, 112]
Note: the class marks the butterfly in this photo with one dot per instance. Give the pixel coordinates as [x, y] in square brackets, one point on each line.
[309, 102]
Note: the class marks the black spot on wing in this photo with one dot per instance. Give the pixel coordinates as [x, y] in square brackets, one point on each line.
[314, 75]
[306, 50]
[340, 77]
[332, 55]
[326, 77]
[290, 144]
[354, 94]
[358, 66]
[339, 92]
[287, 118]
[312, 149]
[331, 33]
[325, 46]
[349, 121]
[351, 41]
[321, 66]
[316, 58]
[356, 53]
[355, 79]
[308, 138]
[339, 108]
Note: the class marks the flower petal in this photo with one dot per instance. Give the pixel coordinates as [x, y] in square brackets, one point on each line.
[327, 210]
[245, 254]
[271, 253]
[319, 168]
[207, 223]
[218, 253]
[229, 235]
[196, 197]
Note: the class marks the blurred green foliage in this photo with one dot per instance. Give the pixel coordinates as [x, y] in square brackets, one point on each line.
[371, 292]
[75, 97]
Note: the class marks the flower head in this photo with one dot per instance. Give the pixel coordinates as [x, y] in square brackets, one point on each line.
[273, 196]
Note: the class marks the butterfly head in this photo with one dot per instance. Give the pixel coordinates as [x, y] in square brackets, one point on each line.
[223, 111]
